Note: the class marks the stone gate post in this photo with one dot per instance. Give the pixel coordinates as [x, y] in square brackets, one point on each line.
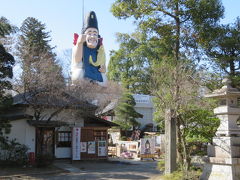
[170, 143]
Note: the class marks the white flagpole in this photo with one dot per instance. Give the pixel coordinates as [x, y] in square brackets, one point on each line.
[82, 13]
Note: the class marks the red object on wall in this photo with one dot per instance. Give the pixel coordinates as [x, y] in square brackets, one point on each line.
[31, 157]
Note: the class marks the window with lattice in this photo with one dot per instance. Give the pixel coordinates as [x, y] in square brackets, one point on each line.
[100, 135]
[64, 139]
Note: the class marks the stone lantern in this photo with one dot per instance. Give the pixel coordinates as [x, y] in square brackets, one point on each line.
[223, 162]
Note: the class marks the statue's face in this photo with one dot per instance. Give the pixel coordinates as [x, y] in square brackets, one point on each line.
[91, 37]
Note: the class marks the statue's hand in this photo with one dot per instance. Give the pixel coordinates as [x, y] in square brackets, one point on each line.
[102, 69]
[81, 39]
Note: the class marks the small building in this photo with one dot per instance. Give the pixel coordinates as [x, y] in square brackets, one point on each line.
[144, 106]
[57, 135]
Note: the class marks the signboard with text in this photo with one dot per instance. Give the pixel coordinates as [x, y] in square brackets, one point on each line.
[83, 146]
[102, 148]
[91, 147]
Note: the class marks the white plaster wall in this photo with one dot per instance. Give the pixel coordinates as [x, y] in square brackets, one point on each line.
[144, 105]
[147, 115]
[63, 152]
[23, 133]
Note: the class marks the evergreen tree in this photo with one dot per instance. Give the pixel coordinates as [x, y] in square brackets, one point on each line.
[42, 76]
[6, 64]
[125, 113]
[37, 57]
[175, 23]
[171, 32]
[165, 29]
[222, 45]
[129, 64]
[6, 28]
[42, 83]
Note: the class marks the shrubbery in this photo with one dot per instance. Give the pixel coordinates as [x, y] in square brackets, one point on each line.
[13, 153]
[180, 175]
[193, 174]
[123, 138]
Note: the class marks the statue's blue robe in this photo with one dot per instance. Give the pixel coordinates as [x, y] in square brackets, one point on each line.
[91, 72]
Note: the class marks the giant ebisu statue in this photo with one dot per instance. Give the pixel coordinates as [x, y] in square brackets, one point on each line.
[88, 55]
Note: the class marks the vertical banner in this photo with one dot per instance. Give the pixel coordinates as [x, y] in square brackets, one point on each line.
[147, 146]
[102, 148]
[76, 138]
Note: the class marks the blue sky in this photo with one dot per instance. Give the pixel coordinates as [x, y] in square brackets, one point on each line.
[64, 17]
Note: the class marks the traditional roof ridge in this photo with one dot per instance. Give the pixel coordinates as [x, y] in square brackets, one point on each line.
[44, 123]
[68, 101]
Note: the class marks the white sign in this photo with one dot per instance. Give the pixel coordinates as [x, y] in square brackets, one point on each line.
[91, 147]
[102, 149]
[147, 146]
[76, 135]
[83, 146]
[115, 136]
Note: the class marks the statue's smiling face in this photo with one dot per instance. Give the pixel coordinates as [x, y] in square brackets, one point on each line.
[91, 37]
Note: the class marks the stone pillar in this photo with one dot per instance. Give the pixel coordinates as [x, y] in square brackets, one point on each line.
[223, 162]
[170, 143]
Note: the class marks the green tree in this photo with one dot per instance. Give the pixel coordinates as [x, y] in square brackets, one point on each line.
[6, 28]
[6, 64]
[172, 29]
[125, 113]
[223, 47]
[174, 21]
[194, 115]
[129, 64]
[36, 55]
[164, 28]
[42, 84]
[42, 76]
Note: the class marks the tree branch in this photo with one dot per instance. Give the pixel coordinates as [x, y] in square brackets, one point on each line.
[55, 113]
[163, 11]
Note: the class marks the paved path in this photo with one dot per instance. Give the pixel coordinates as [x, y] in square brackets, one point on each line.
[103, 170]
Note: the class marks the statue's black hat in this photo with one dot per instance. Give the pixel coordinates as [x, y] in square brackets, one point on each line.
[90, 21]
